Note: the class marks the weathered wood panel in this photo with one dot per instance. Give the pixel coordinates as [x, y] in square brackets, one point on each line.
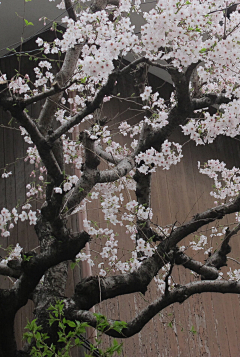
[178, 194]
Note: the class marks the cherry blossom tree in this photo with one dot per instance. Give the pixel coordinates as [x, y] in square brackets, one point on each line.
[197, 43]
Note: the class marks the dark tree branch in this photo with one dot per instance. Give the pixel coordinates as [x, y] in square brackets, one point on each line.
[178, 115]
[219, 258]
[86, 182]
[89, 109]
[189, 71]
[106, 156]
[202, 219]
[35, 267]
[13, 272]
[91, 159]
[63, 76]
[143, 182]
[208, 100]
[92, 290]
[179, 294]
[92, 106]
[143, 194]
[48, 93]
[120, 170]
[70, 10]
[206, 272]
[38, 139]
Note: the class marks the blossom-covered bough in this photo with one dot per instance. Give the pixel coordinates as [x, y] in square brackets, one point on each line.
[198, 45]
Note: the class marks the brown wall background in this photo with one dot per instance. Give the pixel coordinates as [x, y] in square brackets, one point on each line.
[177, 194]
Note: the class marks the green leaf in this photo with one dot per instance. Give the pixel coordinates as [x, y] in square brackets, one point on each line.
[193, 330]
[77, 341]
[71, 323]
[28, 23]
[10, 49]
[119, 326]
[73, 264]
[83, 80]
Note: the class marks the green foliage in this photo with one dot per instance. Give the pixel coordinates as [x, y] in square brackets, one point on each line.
[69, 335]
[28, 23]
[27, 258]
[193, 330]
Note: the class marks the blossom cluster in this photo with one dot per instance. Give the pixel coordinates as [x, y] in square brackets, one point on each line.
[142, 212]
[84, 257]
[200, 244]
[43, 76]
[72, 152]
[226, 181]
[171, 154]
[6, 174]
[159, 279]
[14, 255]
[234, 275]
[67, 184]
[19, 86]
[10, 218]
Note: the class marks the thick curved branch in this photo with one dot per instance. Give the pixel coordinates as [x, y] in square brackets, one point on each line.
[178, 115]
[92, 106]
[35, 267]
[10, 271]
[179, 294]
[70, 10]
[92, 290]
[219, 258]
[208, 100]
[88, 177]
[189, 71]
[120, 170]
[202, 219]
[206, 272]
[89, 109]
[56, 88]
[62, 77]
[38, 139]
[106, 156]
[84, 185]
